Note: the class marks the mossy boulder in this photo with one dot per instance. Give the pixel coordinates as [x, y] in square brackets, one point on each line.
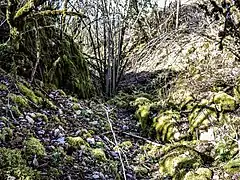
[177, 162]
[140, 170]
[224, 102]
[50, 104]
[34, 147]
[126, 144]
[76, 106]
[29, 93]
[201, 118]
[77, 142]
[121, 100]
[165, 125]
[181, 96]
[13, 164]
[199, 174]
[142, 114]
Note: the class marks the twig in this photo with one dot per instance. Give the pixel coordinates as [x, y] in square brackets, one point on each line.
[135, 136]
[115, 140]
[38, 49]
[139, 137]
[9, 108]
[177, 14]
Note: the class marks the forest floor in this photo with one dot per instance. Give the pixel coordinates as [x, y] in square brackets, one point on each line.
[52, 135]
[58, 136]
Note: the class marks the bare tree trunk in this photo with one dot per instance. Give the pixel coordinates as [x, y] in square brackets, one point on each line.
[165, 4]
[177, 13]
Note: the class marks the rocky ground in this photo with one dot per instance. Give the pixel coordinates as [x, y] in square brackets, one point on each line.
[47, 134]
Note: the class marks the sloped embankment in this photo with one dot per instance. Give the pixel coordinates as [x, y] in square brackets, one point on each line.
[198, 119]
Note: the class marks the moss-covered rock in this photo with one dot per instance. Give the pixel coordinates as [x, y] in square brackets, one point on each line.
[33, 147]
[99, 154]
[199, 174]
[165, 126]
[19, 100]
[141, 101]
[140, 170]
[41, 116]
[121, 100]
[225, 150]
[224, 101]
[16, 111]
[201, 118]
[77, 142]
[3, 87]
[29, 93]
[124, 145]
[142, 114]
[76, 106]
[177, 162]
[181, 96]
[12, 164]
[50, 104]
[233, 166]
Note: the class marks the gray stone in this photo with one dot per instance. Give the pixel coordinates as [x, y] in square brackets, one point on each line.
[91, 141]
[30, 120]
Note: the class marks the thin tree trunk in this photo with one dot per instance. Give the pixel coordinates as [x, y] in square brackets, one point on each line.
[165, 4]
[177, 13]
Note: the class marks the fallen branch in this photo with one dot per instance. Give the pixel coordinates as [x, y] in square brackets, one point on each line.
[115, 141]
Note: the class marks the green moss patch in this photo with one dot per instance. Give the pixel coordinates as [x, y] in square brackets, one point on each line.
[19, 100]
[29, 93]
[233, 166]
[34, 147]
[224, 101]
[201, 118]
[3, 87]
[179, 161]
[165, 125]
[199, 174]
[142, 114]
[77, 142]
[12, 164]
[99, 154]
